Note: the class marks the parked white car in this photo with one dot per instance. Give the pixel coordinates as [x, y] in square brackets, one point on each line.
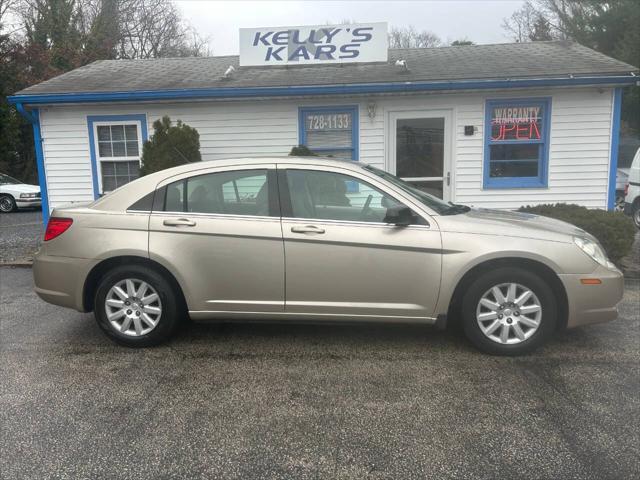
[14, 194]
[632, 191]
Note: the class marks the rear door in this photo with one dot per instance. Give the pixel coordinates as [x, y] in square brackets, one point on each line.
[342, 259]
[219, 233]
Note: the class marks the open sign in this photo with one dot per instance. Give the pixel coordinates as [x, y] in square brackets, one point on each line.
[521, 122]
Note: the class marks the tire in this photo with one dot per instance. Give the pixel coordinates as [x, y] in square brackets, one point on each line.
[635, 214]
[539, 311]
[148, 328]
[7, 204]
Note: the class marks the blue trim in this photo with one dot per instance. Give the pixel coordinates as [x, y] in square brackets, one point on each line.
[355, 127]
[42, 174]
[541, 181]
[91, 119]
[615, 139]
[298, 90]
[33, 118]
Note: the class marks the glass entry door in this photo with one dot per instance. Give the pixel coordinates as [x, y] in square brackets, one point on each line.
[420, 150]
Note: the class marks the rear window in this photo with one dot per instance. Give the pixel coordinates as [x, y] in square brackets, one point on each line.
[241, 192]
[144, 204]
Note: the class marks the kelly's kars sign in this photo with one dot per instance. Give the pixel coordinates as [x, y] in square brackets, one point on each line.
[314, 44]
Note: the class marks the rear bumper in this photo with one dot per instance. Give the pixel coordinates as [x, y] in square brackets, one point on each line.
[590, 304]
[60, 280]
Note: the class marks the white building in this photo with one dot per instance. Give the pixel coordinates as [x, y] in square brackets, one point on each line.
[496, 126]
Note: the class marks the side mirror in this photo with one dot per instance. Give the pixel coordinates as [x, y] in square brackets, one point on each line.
[400, 215]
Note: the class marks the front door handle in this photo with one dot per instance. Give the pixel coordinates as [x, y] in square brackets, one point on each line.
[307, 229]
[179, 222]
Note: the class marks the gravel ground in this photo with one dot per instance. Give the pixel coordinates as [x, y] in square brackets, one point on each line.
[301, 401]
[20, 235]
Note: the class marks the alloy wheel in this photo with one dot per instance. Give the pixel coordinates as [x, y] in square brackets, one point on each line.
[509, 313]
[6, 205]
[133, 307]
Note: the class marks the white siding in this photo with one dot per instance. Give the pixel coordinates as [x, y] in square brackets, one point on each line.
[578, 159]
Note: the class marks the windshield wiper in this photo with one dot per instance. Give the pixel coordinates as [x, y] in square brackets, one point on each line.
[456, 209]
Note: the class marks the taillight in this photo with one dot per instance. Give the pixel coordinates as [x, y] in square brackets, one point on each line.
[56, 227]
[626, 189]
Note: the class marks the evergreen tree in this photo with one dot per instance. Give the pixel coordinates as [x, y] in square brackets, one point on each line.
[170, 146]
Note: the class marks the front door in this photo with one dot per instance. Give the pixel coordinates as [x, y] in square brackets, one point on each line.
[342, 259]
[419, 150]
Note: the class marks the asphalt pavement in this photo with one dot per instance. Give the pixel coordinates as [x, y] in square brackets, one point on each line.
[20, 235]
[311, 401]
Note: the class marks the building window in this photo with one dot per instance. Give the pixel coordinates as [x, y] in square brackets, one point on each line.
[116, 149]
[516, 143]
[116, 174]
[330, 131]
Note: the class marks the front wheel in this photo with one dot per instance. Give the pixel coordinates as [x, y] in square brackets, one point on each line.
[7, 204]
[509, 311]
[136, 306]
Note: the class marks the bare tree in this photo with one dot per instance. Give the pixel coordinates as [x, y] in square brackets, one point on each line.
[520, 24]
[5, 8]
[409, 37]
[154, 28]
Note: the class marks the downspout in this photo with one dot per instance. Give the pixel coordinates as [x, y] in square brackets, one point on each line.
[33, 117]
[615, 139]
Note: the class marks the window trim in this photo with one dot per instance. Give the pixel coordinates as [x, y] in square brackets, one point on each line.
[540, 181]
[286, 208]
[93, 121]
[355, 127]
[159, 203]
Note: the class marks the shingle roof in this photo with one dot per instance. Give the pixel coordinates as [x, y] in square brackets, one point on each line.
[473, 62]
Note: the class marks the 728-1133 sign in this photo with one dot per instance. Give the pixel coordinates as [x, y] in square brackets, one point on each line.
[328, 121]
[516, 123]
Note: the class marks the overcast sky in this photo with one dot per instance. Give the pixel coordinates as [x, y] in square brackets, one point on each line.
[477, 20]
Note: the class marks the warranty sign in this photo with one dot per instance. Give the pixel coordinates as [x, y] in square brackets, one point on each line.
[314, 44]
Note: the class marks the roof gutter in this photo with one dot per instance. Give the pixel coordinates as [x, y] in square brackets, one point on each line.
[31, 117]
[304, 90]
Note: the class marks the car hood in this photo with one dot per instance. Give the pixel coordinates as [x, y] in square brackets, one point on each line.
[19, 188]
[507, 223]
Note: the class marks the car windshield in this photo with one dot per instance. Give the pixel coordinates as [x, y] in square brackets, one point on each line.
[434, 203]
[7, 180]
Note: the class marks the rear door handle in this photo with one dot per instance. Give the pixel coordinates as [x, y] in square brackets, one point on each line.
[307, 229]
[179, 222]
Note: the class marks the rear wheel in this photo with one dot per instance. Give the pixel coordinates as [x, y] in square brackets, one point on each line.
[7, 204]
[135, 306]
[509, 311]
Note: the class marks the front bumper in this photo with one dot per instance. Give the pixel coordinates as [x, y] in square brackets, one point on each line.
[28, 202]
[590, 304]
[60, 280]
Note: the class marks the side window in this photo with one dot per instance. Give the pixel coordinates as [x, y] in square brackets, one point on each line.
[241, 192]
[334, 196]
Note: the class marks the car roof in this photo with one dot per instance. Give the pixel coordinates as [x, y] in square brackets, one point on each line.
[244, 161]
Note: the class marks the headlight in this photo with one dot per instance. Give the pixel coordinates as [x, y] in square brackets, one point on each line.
[594, 250]
[27, 195]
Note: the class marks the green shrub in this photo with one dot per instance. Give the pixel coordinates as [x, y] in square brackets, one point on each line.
[170, 146]
[614, 230]
[301, 151]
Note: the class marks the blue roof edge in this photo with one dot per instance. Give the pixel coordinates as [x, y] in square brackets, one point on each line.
[286, 91]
